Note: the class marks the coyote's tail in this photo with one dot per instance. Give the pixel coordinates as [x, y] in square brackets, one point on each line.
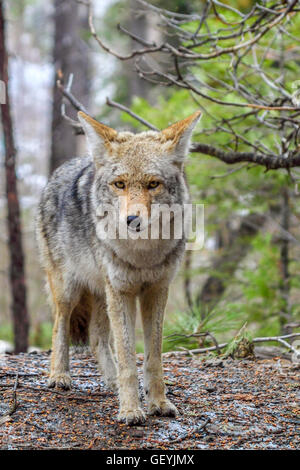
[80, 319]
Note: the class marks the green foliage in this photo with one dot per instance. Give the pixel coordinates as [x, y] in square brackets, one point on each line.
[6, 332]
[262, 298]
[263, 281]
[41, 335]
[167, 110]
[221, 322]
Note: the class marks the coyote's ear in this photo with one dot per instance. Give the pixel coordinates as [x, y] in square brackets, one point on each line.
[179, 136]
[98, 136]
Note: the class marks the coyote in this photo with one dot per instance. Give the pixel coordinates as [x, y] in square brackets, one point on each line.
[94, 283]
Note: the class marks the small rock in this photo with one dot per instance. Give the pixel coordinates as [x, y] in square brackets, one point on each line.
[34, 350]
[137, 433]
[6, 347]
[210, 389]
[214, 363]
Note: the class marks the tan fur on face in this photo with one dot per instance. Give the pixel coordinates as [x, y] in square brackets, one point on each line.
[136, 193]
[135, 201]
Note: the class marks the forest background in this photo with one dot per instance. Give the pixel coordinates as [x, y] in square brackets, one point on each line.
[134, 66]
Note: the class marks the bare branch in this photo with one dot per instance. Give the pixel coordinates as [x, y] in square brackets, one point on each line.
[67, 93]
[113, 104]
[137, 52]
[229, 157]
[276, 111]
[279, 339]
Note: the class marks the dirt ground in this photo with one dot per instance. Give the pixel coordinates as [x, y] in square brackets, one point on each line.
[224, 404]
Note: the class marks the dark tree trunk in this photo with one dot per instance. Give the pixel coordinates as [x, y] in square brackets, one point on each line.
[70, 56]
[138, 25]
[187, 279]
[17, 276]
[285, 316]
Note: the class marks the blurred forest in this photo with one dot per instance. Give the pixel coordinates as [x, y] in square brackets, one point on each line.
[136, 65]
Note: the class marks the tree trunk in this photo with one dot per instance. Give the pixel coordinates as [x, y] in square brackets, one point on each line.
[187, 279]
[138, 25]
[70, 56]
[284, 287]
[17, 276]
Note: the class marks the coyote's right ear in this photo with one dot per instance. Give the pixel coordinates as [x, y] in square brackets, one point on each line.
[98, 136]
[179, 136]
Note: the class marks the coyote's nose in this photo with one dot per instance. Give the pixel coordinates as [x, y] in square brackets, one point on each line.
[133, 221]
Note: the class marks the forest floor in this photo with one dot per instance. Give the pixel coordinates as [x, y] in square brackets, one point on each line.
[223, 404]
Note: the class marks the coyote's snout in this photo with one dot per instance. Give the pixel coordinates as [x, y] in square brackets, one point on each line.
[95, 282]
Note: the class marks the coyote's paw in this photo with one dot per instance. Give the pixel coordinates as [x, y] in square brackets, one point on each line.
[162, 408]
[131, 417]
[60, 380]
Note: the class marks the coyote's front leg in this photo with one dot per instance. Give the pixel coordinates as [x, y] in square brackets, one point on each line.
[59, 370]
[153, 303]
[59, 373]
[122, 311]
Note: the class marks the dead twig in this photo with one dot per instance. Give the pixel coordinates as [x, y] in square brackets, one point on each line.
[194, 431]
[66, 91]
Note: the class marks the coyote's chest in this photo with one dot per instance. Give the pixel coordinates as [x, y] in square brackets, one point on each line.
[130, 270]
[127, 273]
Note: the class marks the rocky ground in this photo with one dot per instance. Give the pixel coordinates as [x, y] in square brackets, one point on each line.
[224, 404]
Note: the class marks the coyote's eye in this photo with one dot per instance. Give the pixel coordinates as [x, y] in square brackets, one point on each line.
[119, 184]
[153, 184]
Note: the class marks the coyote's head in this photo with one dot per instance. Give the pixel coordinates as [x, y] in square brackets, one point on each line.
[134, 171]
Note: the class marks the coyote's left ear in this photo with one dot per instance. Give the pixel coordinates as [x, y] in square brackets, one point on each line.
[99, 137]
[179, 136]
